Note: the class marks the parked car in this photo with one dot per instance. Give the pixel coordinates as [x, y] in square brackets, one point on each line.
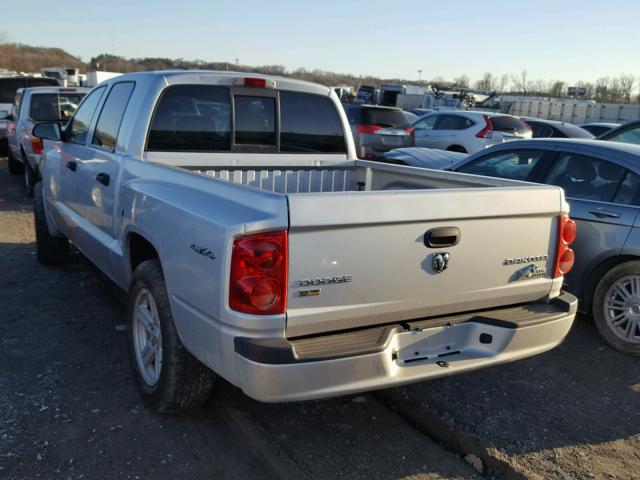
[541, 128]
[424, 157]
[31, 106]
[627, 133]
[599, 128]
[8, 88]
[602, 183]
[254, 244]
[458, 130]
[420, 111]
[367, 120]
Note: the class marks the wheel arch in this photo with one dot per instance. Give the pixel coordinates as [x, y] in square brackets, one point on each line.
[596, 273]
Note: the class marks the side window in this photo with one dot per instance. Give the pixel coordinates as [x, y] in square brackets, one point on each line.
[586, 177]
[192, 118]
[628, 192]
[515, 164]
[255, 120]
[79, 126]
[426, 123]
[540, 130]
[309, 123]
[629, 136]
[106, 131]
[453, 122]
[16, 105]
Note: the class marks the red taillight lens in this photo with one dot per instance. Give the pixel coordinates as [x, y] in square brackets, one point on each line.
[565, 257]
[36, 145]
[410, 130]
[362, 128]
[487, 130]
[258, 283]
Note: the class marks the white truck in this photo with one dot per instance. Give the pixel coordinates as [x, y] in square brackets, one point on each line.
[254, 244]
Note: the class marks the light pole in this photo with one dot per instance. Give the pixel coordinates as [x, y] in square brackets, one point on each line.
[419, 75]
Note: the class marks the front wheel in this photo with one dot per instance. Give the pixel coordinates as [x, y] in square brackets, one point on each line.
[616, 307]
[50, 250]
[16, 167]
[169, 378]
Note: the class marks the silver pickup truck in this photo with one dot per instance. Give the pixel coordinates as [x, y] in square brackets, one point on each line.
[254, 244]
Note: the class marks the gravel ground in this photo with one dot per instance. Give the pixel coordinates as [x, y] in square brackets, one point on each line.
[69, 408]
[573, 412]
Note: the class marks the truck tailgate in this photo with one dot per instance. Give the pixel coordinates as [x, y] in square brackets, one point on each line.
[359, 258]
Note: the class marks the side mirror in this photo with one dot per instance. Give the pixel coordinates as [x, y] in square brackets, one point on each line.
[4, 115]
[47, 131]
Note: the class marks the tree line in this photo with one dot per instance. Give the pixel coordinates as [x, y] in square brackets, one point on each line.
[25, 58]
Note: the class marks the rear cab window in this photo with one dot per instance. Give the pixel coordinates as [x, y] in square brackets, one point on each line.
[209, 118]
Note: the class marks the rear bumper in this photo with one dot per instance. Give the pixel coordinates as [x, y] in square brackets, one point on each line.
[275, 370]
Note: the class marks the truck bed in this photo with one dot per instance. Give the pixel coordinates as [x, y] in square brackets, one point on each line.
[358, 175]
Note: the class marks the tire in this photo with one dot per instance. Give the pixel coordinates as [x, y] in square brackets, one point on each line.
[16, 167]
[616, 307]
[457, 148]
[171, 380]
[50, 250]
[30, 178]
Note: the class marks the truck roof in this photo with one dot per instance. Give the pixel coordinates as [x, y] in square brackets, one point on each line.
[174, 77]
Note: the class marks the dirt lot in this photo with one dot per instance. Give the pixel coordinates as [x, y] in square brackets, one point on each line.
[69, 408]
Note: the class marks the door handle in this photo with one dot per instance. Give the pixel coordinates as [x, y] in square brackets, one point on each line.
[442, 237]
[604, 213]
[71, 165]
[103, 178]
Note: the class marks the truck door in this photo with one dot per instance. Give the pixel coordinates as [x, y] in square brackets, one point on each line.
[95, 180]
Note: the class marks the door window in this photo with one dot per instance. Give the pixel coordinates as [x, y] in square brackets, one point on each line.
[628, 136]
[514, 164]
[586, 177]
[82, 119]
[426, 123]
[111, 116]
[453, 122]
[629, 190]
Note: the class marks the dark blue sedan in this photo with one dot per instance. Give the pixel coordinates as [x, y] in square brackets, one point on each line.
[601, 181]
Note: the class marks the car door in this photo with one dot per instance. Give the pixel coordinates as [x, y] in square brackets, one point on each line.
[446, 131]
[423, 129]
[95, 179]
[73, 153]
[13, 132]
[596, 190]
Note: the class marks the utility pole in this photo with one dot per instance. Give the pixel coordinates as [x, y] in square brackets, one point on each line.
[419, 75]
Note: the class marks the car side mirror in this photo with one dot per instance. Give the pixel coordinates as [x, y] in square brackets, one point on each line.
[47, 131]
[4, 115]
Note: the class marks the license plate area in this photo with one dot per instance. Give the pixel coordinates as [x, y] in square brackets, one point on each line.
[448, 343]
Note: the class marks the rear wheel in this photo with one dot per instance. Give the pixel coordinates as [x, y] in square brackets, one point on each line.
[169, 378]
[50, 250]
[616, 307]
[16, 167]
[457, 148]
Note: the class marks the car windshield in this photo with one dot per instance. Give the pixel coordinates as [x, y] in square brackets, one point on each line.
[54, 106]
[385, 117]
[628, 136]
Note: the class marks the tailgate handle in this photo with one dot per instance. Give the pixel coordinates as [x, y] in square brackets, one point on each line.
[442, 237]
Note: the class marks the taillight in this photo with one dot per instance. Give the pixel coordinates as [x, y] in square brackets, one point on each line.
[258, 282]
[410, 131]
[487, 130]
[363, 128]
[36, 145]
[564, 254]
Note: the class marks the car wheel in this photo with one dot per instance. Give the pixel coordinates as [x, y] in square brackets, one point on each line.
[30, 178]
[169, 378]
[457, 148]
[616, 307]
[16, 167]
[50, 250]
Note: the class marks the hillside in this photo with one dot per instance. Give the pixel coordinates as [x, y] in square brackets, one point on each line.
[25, 58]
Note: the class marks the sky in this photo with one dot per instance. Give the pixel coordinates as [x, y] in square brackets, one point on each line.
[553, 40]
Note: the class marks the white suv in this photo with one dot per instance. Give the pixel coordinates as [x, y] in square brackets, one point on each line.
[465, 131]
